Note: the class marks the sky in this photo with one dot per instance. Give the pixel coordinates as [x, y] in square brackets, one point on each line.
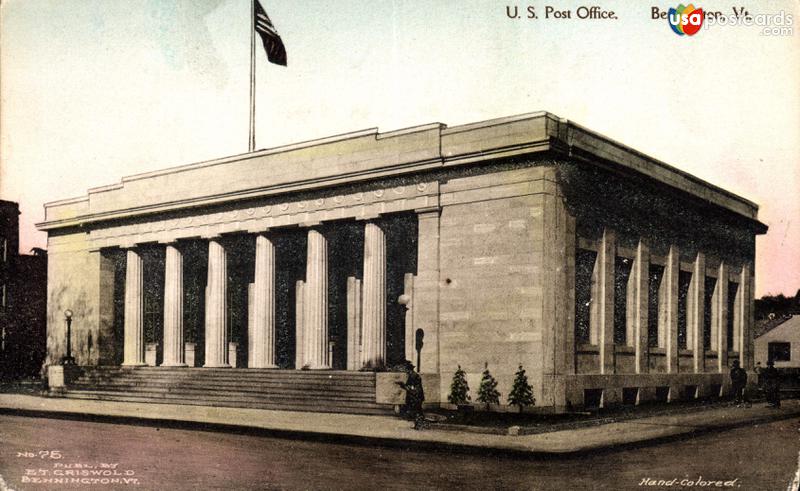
[94, 90]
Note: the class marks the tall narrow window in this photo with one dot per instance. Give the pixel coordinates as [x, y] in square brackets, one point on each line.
[654, 282]
[733, 288]
[584, 265]
[622, 272]
[684, 280]
[708, 306]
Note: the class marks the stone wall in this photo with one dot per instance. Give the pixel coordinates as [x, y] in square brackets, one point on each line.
[491, 238]
[81, 280]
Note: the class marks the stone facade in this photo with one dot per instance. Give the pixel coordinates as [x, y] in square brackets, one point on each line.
[521, 241]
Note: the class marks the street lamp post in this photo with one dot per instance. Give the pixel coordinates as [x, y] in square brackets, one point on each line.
[68, 360]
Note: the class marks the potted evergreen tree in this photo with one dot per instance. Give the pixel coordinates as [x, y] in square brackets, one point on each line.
[521, 394]
[487, 392]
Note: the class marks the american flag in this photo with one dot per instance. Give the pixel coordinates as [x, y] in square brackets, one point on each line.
[273, 45]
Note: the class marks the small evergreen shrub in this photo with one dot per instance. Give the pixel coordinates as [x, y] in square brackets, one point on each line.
[521, 393]
[459, 389]
[487, 392]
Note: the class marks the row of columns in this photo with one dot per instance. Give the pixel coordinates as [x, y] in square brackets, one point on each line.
[312, 325]
[601, 321]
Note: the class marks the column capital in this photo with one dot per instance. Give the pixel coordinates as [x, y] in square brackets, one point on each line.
[428, 210]
[370, 217]
[169, 242]
[259, 230]
[311, 224]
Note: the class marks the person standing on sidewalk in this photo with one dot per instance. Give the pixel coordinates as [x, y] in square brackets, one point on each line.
[772, 385]
[738, 383]
[415, 395]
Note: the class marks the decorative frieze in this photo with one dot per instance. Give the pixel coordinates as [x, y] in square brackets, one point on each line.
[262, 217]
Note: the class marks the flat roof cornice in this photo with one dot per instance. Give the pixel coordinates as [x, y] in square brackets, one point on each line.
[366, 155]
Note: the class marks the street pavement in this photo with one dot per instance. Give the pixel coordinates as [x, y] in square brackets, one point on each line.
[388, 430]
[34, 449]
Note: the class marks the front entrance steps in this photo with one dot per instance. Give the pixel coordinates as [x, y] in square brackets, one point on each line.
[289, 390]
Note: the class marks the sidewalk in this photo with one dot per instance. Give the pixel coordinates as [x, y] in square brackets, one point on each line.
[394, 431]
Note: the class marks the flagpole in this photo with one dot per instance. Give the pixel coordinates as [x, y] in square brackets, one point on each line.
[252, 142]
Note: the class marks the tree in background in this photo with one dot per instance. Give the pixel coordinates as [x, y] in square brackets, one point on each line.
[487, 392]
[459, 389]
[521, 393]
[777, 306]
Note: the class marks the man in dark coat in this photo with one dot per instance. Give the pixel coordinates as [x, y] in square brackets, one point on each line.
[772, 385]
[738, 383]
[415, 395]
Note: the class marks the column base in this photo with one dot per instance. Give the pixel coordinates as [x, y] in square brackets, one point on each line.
[266, 366]
[220, 365]
[137, 364]
[176, 365]
[319, 368]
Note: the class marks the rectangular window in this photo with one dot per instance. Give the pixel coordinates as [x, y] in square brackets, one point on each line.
[708, 305]
[584, 266]
[684, 280]
[622, 271]
[5, 250]
[732, 290]
[3, 296]
[656, 274]
[780, 351]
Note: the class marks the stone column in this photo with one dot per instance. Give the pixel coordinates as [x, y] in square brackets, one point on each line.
[742, 306]
[695, 313]
[315, 305]
[173, 308]
[408, 319]
[746, 317]
[604, 301]
[353, 323]
[373, 341]
[720, 318]
[299, 329]
[263, 338]
[669, 320]
[217, 306]
[134, 310]
[637, 303]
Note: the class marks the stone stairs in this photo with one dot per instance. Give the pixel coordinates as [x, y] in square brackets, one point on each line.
[288, 390]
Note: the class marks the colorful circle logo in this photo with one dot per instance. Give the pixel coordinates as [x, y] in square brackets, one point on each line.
[685, 19]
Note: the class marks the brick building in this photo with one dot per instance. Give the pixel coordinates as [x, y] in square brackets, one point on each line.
[23, 301]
